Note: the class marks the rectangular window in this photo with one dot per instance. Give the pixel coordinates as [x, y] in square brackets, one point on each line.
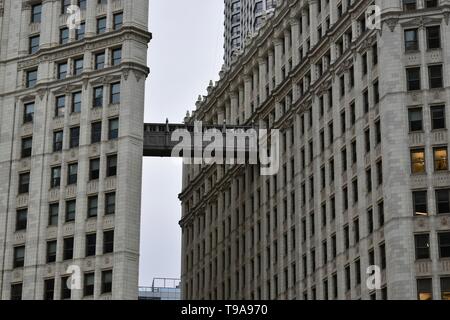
[420, 203]
[74, 137]
[58, 141]
[28, 113]
[91, 240]
[63, 35]
[442, 201]
[411, 40]
[65, 4]
[36, 13]
[117, 21]
[409, 5]
[422, 242]
[413, 78]
[53, 213]
[98, 97]
[27, 147]
[424, 289]
[116, 57]
[115, 93]
[21, 219]
[107, 277]
[113, 132]
[437, 117]
[19, 257]
[92, 206]
[436, 79]
[440, 159]
[415, 119]
[31, 78]
[444, 244]
[101, 25]
[51, 251]
[68, 249]
[24, 183]
[62, 70]
[66, 293]
[72, 174]
[108, 241]
[111, 166]
[445, 288]
[60, 106]
[70, 210]
[78, 66]
[16, 291]
[76, 102]
[89, 280]
[110, 203]
[99, 61]
[55, 180]
[80, 33]
[94, 169]
[34, 44]
[49, 289]
[434, 37]
[96, 132]
[418, 161]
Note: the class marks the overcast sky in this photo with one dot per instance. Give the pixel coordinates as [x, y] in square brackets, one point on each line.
[185, 53]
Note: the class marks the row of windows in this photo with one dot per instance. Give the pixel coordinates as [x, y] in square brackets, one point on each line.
[70, 211]
[425, 288]
[437, 116]
[68, 249]
[409, 5]
[72, 173]
[66, 292]
[420, 202]
[435, 77]
[422, 245]
[440, 159]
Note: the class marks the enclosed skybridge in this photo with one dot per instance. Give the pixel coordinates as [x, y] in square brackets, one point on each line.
[158, 138]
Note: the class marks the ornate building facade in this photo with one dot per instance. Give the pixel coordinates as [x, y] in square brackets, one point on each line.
[363, 180]
[71, 140]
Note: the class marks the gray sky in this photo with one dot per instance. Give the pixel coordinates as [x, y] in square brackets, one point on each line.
[185, 53]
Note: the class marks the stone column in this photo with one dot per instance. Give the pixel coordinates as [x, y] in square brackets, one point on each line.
[313, 13]
[234, 107]
[91, 22]
[278, 60]
[304, 29]
[24, 29]
[247, 97]
[270, 71]
[262, 78]
[295, 27]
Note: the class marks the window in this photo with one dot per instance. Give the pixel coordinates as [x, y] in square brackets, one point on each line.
[24, 183]
[379, 165]
[68, 249]
[34, 44]
[418, 161]
[370, 221]
[60, 106]
[82, 4]
[366, 101]
[367, 139]
[70, 210]
[342, 86]
[431, 3]
[107, 281]
[440, 159]
[91, 240]
[347, 278]
[36, 13]
[31, 78]
[116, 57]
[101, 25]
[74, 137]
[415, 119]
[27, 147]
[98, 97]
[66, 293]
[437, 117]
[72, 174]
[16, 291]
[49, 289]
[80, 33]
[78, 66]
[55, 180]
[62, 70]
[409, 5]
[19, 257]
[110, 203]
[435, 76]
[28, 112]
[413, 78]
[113, 132]
[445, 288]
[108, 241]
[51, 251]
[364, 64]
[65, 4]
[63, 35]
[434, 37]
[424, 289]
[94, 169]
[58, 141]
[381, 214]
[411, 40]
[76, 102]
[442, 201]
[420, 203]
[369, 180]
[346, 237]
[89, 284]
[383, 257]
[99, 61]
[376, 92]
[444, 244]
[375, 54]
[53, 213]
[117, 21]
[115, 93]
[111, 166]
[21, 219]
[96, 132]
[92, 206]
[422, 242]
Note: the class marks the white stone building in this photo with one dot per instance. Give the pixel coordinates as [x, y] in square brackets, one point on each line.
[364, 178]
[71, 140]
